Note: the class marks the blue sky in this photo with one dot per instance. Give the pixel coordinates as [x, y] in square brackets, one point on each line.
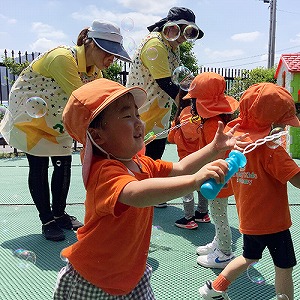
[236, 31]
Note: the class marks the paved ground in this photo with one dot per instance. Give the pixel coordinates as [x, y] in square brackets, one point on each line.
[172, 255]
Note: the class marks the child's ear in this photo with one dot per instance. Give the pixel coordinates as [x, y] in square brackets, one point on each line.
[96, 136]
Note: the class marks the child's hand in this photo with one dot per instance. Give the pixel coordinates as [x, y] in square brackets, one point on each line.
[240, 144]
[216, 169]
[227, 141]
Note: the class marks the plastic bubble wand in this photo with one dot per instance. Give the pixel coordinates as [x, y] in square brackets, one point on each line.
[151, 136]
[266, 139]
[236, 160]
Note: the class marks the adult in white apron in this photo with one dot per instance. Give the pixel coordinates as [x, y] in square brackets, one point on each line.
[36, 102]
[152, 67]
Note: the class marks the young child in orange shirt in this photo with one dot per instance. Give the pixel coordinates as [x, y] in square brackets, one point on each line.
[260, 191]
[184, 133]
[110, 255]
[213, 106]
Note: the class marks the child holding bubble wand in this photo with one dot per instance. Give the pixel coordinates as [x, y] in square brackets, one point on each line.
[184, 133]
[260, 190]
[36, 101]
[110, 256]
[213, 106]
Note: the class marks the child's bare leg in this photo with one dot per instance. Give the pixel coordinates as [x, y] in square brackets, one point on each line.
[236, 267]
[231, 272]
[284, 282]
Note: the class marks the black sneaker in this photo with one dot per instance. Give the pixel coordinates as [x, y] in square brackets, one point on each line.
[52, 232]
[202, 217]
[186, 223]
[68, 222]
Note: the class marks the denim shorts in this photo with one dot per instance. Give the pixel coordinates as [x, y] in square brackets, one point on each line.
[72, 286]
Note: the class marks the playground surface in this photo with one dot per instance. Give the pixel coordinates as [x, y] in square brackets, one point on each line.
[172, 254]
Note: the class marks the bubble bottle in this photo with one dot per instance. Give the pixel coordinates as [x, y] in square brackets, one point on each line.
[149, 137]
[210, 188]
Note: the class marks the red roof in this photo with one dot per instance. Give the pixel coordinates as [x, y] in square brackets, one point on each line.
[292, 62]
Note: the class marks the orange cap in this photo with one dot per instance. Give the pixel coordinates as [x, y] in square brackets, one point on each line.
[89, 100]
[261, 106]
[209, 90]
[86, 103]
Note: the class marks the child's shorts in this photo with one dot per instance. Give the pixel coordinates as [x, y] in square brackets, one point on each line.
[280, 246]
[72, 286]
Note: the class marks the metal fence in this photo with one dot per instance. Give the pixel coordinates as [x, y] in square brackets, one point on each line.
[7, 79]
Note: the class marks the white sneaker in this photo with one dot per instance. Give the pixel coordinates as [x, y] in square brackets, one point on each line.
[216, 259]
[204, 250]
[208, 293]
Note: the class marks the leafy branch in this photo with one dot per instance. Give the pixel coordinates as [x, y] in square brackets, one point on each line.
[14, 67]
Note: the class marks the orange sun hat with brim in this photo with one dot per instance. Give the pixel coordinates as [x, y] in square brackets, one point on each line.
[261, 106]
[83, 106]
[208, 89]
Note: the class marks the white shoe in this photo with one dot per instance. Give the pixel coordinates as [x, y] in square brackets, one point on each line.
[208, 293]
[216, 259]
[204, 250]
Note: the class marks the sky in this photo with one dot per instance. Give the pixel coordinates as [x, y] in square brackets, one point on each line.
[236, 32]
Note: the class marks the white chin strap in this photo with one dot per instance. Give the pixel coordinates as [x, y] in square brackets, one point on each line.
[108, 155]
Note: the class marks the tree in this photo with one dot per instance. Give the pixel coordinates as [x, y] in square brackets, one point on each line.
[14, 67]
[188, 58]
[250, 77]
[113, 71]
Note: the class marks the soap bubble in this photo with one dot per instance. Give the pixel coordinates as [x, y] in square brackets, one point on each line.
[157, 232]
[36, 107]
[254, 273]
[127, 24]
[3, 116]
[152, 53]
[63, 258]
[282, 297]
[171, 31]
[27, 258]
[183, 77]
[192, 83]
[4, 226]
[6, 119]
[180, 73]
[276, 142]
[129, 44]
[191, 33]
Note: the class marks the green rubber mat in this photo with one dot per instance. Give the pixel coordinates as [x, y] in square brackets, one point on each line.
[172, 253]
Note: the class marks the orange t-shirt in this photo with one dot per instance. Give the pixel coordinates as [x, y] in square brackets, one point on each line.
[207, 133]
[186, 137]
[112, 247]
[260, 191]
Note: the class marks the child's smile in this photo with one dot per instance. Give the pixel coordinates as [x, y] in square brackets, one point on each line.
[123, 131]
